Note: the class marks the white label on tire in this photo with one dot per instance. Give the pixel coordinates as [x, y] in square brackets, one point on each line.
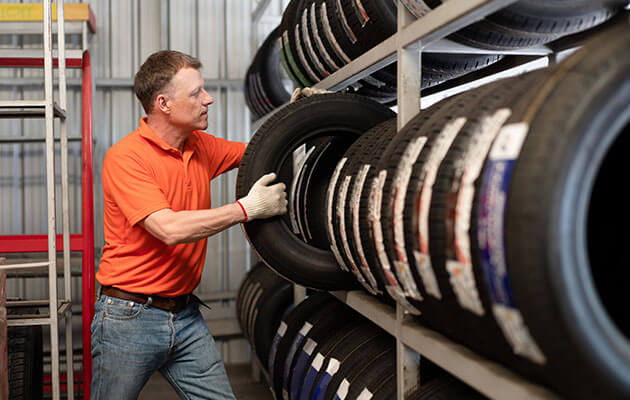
[309, 46]
[355, 200]
[400, 184]
[310, 346]
[342, 391]
[425, 269]
[318, 361]
[333, 366]
[331, 37]
[341, 215]
[282, 329]
[429, 171]
[330, 193]
[318, 40]
[360, 12]
[473, 162]
[374, 219]
[300, 51]
[509, 142]
[463, 284]
[344, 23]
[365, 394]
[305, 328]
[515, 331]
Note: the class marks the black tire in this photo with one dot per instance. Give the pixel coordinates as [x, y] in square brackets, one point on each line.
[450, 219]
[25, 359]
[268, 313]
[288, 331]
[318, 365]
[294, 357]
[322, 332]
[534, 22]
[345, 117]
[271, 72]
[355, 354]
[566, 285]
[360, 169]
[336, 200]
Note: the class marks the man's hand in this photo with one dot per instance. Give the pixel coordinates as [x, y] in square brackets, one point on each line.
[306, 92]
[264, 201]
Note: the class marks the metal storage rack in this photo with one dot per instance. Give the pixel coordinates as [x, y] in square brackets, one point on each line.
[415, 36]
[48, 110]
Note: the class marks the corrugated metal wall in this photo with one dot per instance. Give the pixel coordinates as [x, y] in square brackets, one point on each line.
[219, 33]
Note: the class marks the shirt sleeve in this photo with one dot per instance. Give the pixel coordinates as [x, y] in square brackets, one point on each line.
[226, 155]
[129, 185]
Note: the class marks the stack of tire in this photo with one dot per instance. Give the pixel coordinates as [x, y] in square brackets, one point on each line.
[318, 37]
[325, 350]
[487, 213]
[262, 299]
[266, 81]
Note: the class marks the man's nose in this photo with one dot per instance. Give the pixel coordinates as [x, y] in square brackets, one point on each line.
[208, 99]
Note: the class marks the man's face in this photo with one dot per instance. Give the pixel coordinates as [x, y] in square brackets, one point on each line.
[188, 100]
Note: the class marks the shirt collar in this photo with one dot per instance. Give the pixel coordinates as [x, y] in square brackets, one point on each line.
[149, 134]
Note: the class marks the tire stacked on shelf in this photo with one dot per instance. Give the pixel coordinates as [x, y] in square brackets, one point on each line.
[296, 245]
[321, 36]
[527, 23]
[266, 82]
[25, 358]
[485, 213]
[324, 350]
[263, 297]
[488, 213]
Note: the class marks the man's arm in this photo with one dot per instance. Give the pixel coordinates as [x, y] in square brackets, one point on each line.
[173, 227]
[264, 200]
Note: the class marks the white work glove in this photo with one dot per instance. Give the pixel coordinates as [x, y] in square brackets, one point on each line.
[306, 92]
[264, 200]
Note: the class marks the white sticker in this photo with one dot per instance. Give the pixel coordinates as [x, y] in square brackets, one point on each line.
[300, 51]
[341, 215]
[305, 328]
[374, 219]
[473, 162]
[309, 346]
[401, 181]
[425, 269]
[333, 366]
[318, 361]
[344, 23]
[360, 12]
[355, 200]
[365, 394]
[330, 194]
[342, 391]
[515, 331]
[309, 46]
[463, 282]
[430, 169]
[509, 142]
[331, 37]
[318, 41]
[282, 329]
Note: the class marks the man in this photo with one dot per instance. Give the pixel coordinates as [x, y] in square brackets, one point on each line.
[156, 186]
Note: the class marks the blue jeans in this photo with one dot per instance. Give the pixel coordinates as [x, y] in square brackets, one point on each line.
[131, 341]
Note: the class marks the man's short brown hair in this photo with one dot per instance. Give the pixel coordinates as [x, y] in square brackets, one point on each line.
[157, 72]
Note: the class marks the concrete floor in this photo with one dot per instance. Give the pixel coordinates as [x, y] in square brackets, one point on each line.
[240, 376]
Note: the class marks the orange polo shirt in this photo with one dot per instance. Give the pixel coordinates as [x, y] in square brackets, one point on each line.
[142, 174]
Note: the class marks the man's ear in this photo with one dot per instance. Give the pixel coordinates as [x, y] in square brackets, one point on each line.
[161, 103]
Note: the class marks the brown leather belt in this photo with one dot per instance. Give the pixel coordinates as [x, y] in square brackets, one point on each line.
[172, 304]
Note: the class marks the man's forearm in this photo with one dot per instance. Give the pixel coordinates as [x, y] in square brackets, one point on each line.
[189, 226]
